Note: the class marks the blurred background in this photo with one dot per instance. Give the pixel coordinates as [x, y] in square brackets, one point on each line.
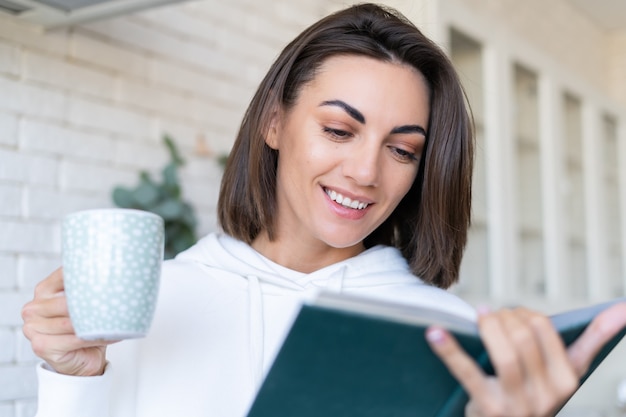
[89, 88]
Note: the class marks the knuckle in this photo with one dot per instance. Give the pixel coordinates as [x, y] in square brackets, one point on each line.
[492, 409]
[66, 324]
[39, 288]
[567, 386]
[540, 322]
[39, 346]
[28, 331]
[507, 360]
[543, 405]
[27, 311]
[603, 328]
[521, 337]
[545, 402]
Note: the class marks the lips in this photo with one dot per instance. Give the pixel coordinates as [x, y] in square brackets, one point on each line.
[345, 201]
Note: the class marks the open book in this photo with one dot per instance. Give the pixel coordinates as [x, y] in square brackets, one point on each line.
[350, 356]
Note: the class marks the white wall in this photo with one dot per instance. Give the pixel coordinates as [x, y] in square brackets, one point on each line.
[84, 109]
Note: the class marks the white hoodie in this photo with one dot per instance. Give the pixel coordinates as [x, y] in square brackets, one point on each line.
[222, 314]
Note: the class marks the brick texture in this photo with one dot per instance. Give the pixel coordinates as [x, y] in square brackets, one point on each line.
[8, 129]
[84, 109]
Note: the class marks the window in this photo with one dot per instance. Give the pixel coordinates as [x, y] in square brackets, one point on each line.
[574, 195]
[611, 205]
[466, 55]
[529, 229]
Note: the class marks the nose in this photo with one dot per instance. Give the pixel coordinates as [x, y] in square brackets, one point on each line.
[362, 164]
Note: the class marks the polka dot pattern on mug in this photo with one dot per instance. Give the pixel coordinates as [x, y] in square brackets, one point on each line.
[112, 266]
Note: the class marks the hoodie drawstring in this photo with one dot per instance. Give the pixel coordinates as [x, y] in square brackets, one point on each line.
[257, 330]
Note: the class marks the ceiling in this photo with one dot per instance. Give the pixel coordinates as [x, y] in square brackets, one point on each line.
[56, 13]
[609, 14]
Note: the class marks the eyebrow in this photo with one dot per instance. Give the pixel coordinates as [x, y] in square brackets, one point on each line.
[358, 116]
[409, 129]
[354, 113]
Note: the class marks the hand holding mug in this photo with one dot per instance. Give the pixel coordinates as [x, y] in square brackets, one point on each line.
[107, 290]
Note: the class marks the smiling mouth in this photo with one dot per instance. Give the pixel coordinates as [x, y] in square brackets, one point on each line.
[345, 201]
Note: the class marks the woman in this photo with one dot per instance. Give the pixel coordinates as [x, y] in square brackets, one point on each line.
[351, 172]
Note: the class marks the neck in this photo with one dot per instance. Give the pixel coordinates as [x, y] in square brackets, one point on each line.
[306, 257]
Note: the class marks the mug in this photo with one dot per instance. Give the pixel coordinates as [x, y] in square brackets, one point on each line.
[112, 268]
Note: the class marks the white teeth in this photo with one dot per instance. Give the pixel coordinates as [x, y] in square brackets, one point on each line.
[345, 201]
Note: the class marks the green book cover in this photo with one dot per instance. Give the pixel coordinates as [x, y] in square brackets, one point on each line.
[349, 356]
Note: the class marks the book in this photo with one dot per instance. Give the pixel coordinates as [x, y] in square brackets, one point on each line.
[349, 356]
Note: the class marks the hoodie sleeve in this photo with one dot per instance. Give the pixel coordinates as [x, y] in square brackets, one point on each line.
[73, 396]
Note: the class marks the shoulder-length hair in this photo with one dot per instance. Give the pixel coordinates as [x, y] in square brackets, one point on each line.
[430, 224]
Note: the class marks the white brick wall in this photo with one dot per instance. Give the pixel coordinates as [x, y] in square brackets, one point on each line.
[8, 276]
[9, 59]
[8, 129]
[83, 110]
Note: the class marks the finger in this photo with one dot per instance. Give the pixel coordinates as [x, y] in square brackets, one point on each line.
[556, 361]
[72, 356]
[54, 348]
[50, 286]
[53, 326]
[516, 324]
[555, 381]
[502, 352]
[460, 365]
[46, 307]
[606, 325]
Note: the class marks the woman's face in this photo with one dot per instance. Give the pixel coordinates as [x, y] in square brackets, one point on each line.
[349, 151]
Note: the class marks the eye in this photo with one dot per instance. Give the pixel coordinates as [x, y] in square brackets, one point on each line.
[337, 134]
[403, 155]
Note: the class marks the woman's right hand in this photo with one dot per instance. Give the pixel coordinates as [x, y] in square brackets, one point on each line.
[48, 327]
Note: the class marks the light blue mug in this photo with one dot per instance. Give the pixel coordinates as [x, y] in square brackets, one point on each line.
[112, 267]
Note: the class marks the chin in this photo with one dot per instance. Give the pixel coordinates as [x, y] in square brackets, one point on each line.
[343, 243]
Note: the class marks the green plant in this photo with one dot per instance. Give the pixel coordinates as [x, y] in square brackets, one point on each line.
[164, 199]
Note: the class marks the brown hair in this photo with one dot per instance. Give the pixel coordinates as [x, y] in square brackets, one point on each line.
[430, 224]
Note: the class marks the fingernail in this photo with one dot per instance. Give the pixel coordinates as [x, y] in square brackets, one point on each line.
[435, 335]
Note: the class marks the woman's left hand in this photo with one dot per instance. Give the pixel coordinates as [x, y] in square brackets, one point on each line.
[536, 373]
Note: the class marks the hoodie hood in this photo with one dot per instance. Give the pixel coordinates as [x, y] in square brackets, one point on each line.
[379, 265]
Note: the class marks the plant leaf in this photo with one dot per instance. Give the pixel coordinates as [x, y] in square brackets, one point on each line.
[144, 176]
[169, 209]
[170, 174]
[123, 197]
[184, 240]
[173, 150]
[189, 217]
[146, 194]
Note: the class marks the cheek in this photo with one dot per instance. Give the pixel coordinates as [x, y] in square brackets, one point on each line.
[403, 192]
[402, 181]
[300, 161]
[311, 153]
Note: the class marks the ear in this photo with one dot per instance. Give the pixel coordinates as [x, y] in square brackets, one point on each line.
[272, 137]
